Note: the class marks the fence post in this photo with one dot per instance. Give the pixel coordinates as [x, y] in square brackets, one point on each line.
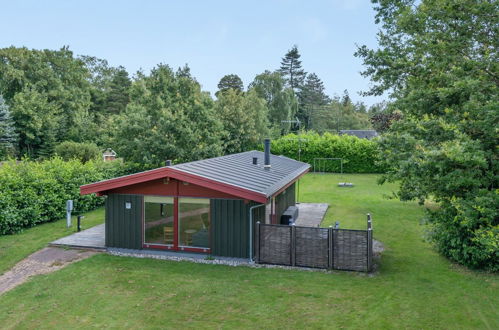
[293, 245]
[369, 243]
[330, 246]
[257, 245]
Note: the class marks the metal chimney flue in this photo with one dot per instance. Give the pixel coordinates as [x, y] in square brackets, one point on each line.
[266, 144]
[168, 163]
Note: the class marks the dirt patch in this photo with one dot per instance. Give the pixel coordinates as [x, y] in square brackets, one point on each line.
[44, 261]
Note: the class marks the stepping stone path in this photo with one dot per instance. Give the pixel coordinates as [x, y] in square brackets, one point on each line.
[44, 261]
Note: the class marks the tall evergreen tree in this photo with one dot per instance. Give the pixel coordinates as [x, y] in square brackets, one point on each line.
[118, 95]
[8, 136]
[312, 97]
[230, 81]
[313, 91]
[291, 69]
[345, 99]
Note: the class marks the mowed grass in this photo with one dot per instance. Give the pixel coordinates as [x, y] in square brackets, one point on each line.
[14, 248]
[414, 288]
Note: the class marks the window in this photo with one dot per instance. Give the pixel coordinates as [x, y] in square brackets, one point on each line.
[194, 222]
[158, 220]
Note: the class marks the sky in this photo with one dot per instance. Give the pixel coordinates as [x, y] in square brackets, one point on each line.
[214, 38]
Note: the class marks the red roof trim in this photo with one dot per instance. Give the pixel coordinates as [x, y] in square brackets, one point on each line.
[163, 172]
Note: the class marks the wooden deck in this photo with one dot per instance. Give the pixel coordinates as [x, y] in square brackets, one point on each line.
[310, 215]
[93, 238]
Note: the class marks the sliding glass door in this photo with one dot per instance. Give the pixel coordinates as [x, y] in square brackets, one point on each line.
[194, 222]
[159, 220]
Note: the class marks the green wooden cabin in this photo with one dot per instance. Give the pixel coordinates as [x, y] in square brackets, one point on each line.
[208, 206]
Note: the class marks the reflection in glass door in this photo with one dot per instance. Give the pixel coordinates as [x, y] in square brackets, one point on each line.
[158, 220]
[194, 222]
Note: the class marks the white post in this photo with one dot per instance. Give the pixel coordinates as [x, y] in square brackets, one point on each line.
[69, 208]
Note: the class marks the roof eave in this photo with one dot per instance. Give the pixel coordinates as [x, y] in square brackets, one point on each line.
[101, 187]
[289, 181]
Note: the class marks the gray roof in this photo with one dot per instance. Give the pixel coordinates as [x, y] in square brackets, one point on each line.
[362, 134]
[238, 170]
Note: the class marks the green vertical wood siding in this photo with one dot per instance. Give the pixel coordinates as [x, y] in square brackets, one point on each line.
[229, 228]
[124, 227]
[284, 200]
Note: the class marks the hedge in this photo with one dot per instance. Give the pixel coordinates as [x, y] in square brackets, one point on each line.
[358, 155]
[36, 192]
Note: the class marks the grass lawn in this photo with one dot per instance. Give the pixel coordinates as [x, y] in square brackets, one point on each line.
[14, 248]
[415, 287]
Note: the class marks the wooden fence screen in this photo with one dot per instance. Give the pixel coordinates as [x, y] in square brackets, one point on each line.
[329, 248]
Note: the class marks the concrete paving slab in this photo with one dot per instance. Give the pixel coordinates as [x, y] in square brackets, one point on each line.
[311, 214]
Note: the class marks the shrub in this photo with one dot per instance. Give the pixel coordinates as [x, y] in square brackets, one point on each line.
[75, 150]
[467, 230]
[358, 155]
[36, 192]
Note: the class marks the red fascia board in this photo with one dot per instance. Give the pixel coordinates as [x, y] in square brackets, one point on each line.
[159, 173]
[122, 181]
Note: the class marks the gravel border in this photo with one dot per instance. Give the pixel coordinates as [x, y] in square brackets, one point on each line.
[231, 263]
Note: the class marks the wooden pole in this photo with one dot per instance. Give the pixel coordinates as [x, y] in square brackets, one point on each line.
[257, 245]
[293, 245]
[330, 246]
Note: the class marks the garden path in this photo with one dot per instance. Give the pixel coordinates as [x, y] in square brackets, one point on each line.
[44, 261]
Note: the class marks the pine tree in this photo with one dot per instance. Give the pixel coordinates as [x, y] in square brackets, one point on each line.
[291, 69]
[8, 136]
[313, 91]
[119, 91]
[345, 99]
[312, 97]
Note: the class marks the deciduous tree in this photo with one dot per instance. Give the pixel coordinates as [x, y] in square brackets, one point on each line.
[230, 81]
[439, 60]
[168, 117]
[244, 118]
[48, 95]
[281, 101]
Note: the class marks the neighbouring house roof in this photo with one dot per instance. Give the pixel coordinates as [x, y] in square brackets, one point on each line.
[362, 134]
[234, 174]
[109, 152]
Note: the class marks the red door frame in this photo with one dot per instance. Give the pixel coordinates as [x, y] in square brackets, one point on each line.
[175, 246]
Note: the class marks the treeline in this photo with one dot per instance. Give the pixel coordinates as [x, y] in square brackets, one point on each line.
[51, 97]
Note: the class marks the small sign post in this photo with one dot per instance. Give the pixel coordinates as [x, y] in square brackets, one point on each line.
[69, 208]
[80, 217]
